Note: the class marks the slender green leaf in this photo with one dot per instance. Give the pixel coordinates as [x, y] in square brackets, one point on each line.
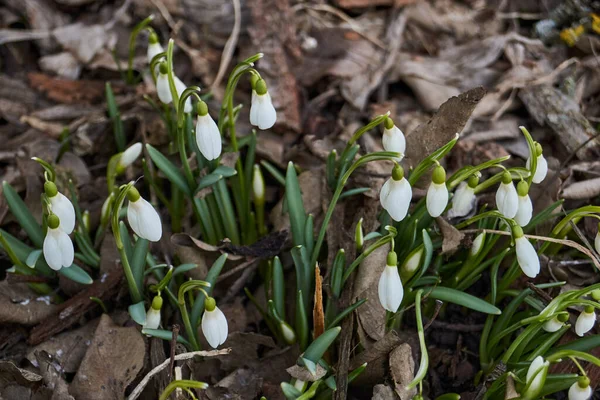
[115, 116]
[172, 173]
[208, 180]
[165, 335]
[32, 258]
[24, 217]
[278, 287]
[296, 210]
[137, 312]
[354, 191]
[289, 391]
[183, 268]
[463, 299]
[138, 260]
[301, 321]
[76, 274]
[346, 312]
[314, 352]
[274, 172]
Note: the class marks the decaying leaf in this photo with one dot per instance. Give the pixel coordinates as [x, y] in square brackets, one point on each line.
[449, 120]
[52, 373]
[10, 374]
[377, 358]
[242, 384]
[122, 349]
[402, 368]
[318, 313]
[383, 392]
[19, 305]
[300, 372]
[371, 315]
[582, 190]
[452, 237]
[266, 247]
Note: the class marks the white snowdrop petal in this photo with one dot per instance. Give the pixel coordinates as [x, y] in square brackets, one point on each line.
[541, 169]
[437, 199]
[51, 250]
[524, 211]
[394, 140]
[67, 251]
[162, 89]
[398, 198]
[266, 116]
[585, 322]
[149, 221]
[527, 257]
[214, 327]
[152, 318]
[552, 325]
[153, 50]
[597, 242]
[507, 200]
[390, 289]
[534, 366]
[64, 210]
[462, 202]
[133, 218]
[208, 137]
[385, 192]
[253, 109]
[180, 87]
[130, 155]
[578, 393]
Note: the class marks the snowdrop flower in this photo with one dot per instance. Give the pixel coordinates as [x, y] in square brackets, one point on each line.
[580, 390]
[154, 47]
[208, 137]
[390, 287]
[163, 90]
[525, 207]
[554, 324]
[585, 321]
[536, 377]
[526, 254]
[597, 241]
[214, 324]
[61, 206]
[541, 169]
[142, 217]
[58, 247]
[464, 198]
[393, 139]
[262, 112]
[507, 199]
[129, 156]
[396, 194]
[437, 194]
[153, 314]
[477, 245]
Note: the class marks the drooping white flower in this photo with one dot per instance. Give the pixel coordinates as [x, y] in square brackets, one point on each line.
[262, 111]
[396, 194]
[585, 321]
[536, 376]
[287, 332]
[153, 313]
[258, 185]
[129, 156]
[61, 206]
[58, 248]
[437, 194]
[541, 169]
[154, 47]
[142, 217]
[526, 254]
[507, 199]
[390, 288]
[553, 325]
[525, 207]
[208, 137]
[180, 87]
[393, 139]
[464, 198]
[580, 390]
[214, 324]
[411, 263]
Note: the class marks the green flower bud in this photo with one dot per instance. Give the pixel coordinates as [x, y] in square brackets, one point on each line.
[153, 38]
[439, 175]
[50, 189]
[392, 259]
[522, 188]
[53, 221]
[397, 172]
[202, 108]
[389, 123]
[506, 178]
[473, 181]
[596, 294]
[260, 87]
[157, 303]
[133, 195]
[563, 317]
[163, 68]
[253, 79]
[589, 309]
[210, 304]
[538, 149]
[517, 231]
[583, 382]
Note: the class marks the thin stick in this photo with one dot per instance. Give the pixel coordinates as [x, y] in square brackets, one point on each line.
[230, 45]
[183, 356]
[175, 330]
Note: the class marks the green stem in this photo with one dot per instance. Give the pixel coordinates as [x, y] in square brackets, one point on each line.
[136, 297]
[190, 331]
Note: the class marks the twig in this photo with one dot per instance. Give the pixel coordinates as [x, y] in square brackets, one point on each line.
[466, 328]
[183, 356]
[229, 45]
[438, 307]
[175, 330]
[539, 292]
[237, 269]
[565, 242]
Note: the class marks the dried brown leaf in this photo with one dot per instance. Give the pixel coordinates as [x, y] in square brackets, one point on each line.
[299, 372]
[11, 374]
[123, 349]
[452, 237]
[20, 305]
[318, 313]
[402, 368]
[582, 190]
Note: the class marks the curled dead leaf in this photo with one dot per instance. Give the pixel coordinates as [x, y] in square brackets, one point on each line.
[582, 190]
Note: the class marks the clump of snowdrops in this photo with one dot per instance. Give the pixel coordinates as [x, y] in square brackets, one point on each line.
[522, 329]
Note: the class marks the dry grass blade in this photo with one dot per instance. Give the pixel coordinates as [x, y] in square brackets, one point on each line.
[318, 314]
